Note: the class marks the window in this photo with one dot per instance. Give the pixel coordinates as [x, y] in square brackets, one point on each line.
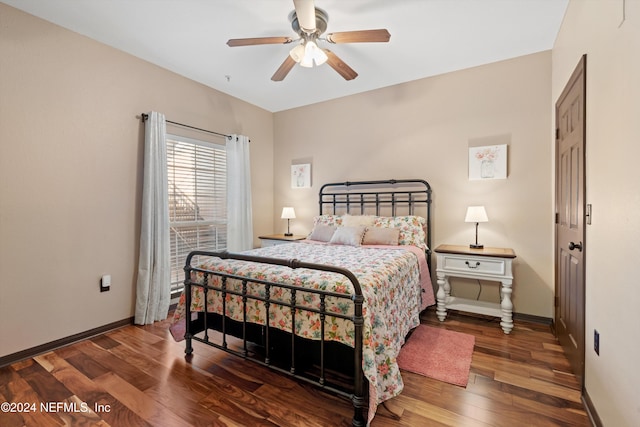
[197, 185]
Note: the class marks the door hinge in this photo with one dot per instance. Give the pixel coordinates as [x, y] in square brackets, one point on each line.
[557, 219]
[556, 301]
[557, 133]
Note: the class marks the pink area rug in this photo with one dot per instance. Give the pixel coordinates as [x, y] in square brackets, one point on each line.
[439, 354]
[178, 330]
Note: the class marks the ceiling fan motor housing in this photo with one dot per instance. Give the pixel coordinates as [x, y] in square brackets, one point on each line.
[322, 18]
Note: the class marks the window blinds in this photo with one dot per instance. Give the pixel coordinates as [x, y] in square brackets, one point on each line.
[197, 200]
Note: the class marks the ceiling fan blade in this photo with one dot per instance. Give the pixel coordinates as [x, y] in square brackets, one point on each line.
[258, 40]
[338, 64]
[284, 69]
[362, 36]
[306, 13]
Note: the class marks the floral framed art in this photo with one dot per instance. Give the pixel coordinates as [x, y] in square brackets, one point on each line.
[488, 162]
[301, 175]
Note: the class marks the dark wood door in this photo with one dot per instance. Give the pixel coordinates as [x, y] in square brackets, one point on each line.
[570, 235]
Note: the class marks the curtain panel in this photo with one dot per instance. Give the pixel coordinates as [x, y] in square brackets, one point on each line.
[239, 211]
[153, 285]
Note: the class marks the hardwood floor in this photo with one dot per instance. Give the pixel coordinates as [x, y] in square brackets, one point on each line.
[138, 376]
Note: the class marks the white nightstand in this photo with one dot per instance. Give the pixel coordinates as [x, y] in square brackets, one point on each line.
[279, 239]
[489, 264]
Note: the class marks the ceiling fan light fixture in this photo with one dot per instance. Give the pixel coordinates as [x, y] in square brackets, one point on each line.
[297, 53]
[308, 53]
[319, 56]
[312, 53]
[306, 62]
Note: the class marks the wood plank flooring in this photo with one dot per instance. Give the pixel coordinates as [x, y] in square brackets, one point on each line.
[138, 376]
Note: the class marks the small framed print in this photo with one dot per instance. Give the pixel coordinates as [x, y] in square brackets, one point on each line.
[488, 162]
[301, 175]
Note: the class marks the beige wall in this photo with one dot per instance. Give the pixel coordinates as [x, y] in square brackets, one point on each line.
[423, 129]
[70, 173]
[610, 37]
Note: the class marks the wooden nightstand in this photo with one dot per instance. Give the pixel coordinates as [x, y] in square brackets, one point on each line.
[279, 239]
[489, 264]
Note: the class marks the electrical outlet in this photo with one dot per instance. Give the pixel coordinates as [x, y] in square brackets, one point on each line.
[105, 283]
[596, 342]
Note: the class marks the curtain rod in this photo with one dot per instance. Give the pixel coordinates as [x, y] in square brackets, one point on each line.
[145, 116]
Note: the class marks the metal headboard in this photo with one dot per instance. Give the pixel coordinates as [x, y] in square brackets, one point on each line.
[391, 197]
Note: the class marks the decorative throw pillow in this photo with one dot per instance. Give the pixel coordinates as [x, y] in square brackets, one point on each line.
[351, 236]
[327, 220]
[381, 236]
[412, 229]
[322, 233]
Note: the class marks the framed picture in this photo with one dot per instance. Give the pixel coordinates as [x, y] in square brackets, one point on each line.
[301, 175]
[488, 162]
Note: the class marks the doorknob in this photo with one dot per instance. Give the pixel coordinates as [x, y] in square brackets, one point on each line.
[577, 246]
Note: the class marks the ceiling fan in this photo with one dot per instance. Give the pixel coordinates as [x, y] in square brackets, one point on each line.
[310, 22]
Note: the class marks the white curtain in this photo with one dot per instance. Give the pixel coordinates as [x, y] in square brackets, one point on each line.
[239, 214]
[153, 288]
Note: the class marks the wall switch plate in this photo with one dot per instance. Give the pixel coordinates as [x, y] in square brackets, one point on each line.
[105, 283]
[596, 342]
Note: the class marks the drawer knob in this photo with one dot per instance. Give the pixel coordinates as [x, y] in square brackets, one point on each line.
[472, 266]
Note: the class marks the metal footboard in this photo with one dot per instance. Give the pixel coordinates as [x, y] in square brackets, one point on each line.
[356, 395]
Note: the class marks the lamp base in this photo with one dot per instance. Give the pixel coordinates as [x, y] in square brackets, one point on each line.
[288, 234]
[476, 246]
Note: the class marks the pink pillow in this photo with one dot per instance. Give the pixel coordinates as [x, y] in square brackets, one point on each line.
[322, 233]
[381, 236]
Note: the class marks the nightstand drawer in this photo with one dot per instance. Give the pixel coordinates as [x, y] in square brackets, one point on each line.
[473, 265]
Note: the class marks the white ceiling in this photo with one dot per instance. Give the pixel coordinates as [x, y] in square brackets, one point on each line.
[428, 37]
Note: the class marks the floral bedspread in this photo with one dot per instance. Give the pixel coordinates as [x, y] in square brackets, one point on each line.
[393, 298]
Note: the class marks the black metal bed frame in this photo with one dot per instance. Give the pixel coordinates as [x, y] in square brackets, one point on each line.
[390, 196]
[338, 196]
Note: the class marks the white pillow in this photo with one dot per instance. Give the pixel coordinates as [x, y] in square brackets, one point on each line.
[356, 220]
[351, 236]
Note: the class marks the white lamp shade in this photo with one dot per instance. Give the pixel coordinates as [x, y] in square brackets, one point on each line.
[476, 214]
[318, 55]
[309, 50]
[307, 54]
[297, 53]
[288, 213]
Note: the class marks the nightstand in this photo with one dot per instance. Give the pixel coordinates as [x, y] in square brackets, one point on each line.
[279, 239]
[489, 264]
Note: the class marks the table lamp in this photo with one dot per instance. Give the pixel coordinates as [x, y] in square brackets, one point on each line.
[288, 213]
[476, 214]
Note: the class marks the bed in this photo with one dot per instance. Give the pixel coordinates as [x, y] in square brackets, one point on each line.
[333, 310]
